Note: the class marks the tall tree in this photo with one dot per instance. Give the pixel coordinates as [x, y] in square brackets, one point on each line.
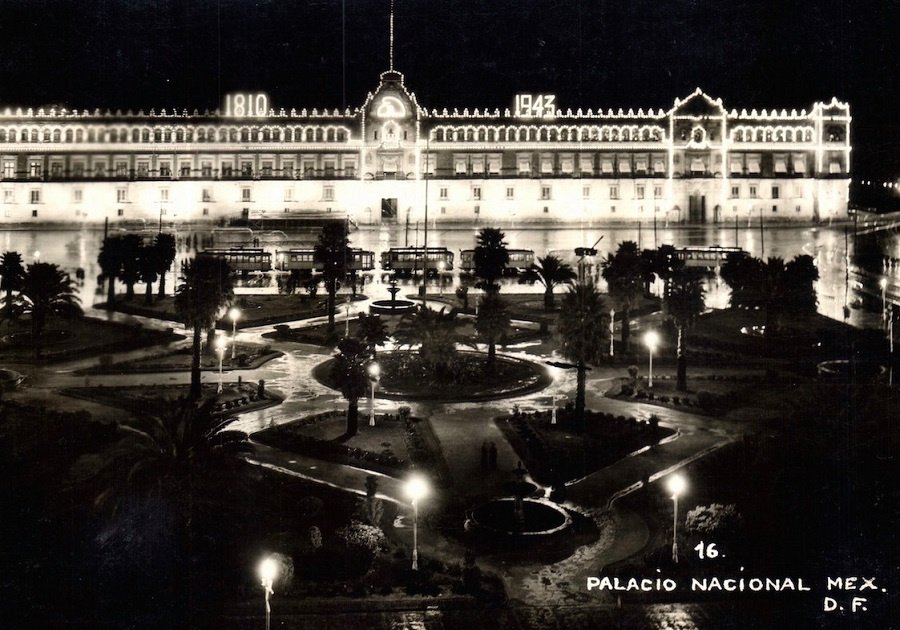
[110, 261]
[584, 330]
[12, 269]
[45, 291]
[164, 244]
[332, 251]
[130, 271]
[683, 303]
[624, 274]
[551, 272]
[801, 275]
[492, 323]
[148, 270]
[373, 332]
[437, 334]
[491, 258]
[205, 291]
[349, 371]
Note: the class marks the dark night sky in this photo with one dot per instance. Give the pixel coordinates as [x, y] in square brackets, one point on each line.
[464, 53]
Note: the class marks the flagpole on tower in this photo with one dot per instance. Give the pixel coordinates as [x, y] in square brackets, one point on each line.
[391, 50]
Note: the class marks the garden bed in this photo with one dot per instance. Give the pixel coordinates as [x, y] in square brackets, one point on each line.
[248, 357]
[560, 453]
[404, 377]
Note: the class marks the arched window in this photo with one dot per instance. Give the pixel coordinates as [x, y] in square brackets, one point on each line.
[341, 135]
[482, 135]
[123, 135]
[319, 135]
[245, 135]
[201, 135]
[439, 135]
[308, 136]
[2, 135]
[330, 136]
[79, 135]
[789, 135]
[179, 135]
[57, 136]
[470, 135]
[92, 135]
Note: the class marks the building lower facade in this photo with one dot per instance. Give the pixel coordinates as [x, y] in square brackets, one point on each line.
[392, 160]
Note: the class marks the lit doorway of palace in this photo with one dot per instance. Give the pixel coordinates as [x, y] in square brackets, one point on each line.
[697, 208]
[389, 208]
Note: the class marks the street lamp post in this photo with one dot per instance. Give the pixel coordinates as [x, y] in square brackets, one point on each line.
[374, 375]
[651, 340]
[347, 320]
[416, 489]
[441, 267]
[234, 314]
[553, 417]
[268, 571]
[220, 350]
[676, 485]
[883, 284]
[612, 332]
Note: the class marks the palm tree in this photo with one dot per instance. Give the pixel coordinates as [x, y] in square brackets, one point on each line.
[551, 272]
[45, 291]
[490, 258]
[12, 269]
[584, 330]
[178, 461]
[683, 303]
[492, 323]
[802, 273]
[332, 251]
[624, 273]
[349, 372]
[148, 269]
[164, 244]
[437, 335]
[373, 332]
[129, 272]
[205, 290]
[110, 261]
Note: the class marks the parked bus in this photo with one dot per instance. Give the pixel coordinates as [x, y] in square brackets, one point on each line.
[519, 260]
[242, 259]
[304, 259]
[408, 260]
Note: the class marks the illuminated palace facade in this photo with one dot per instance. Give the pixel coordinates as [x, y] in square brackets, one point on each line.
[393, 160]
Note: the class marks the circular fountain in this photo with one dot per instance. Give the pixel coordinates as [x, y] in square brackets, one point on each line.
[392, 306]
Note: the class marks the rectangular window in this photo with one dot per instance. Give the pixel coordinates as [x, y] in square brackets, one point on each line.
[77, 195]
[99, 169]
[797, 208]
[34, 213]
[476, 193]
[328, 193]
[478, 165]
[460, 166]
[735, 192]
[545, 192]
[35, 196]
[428, 164]
[56, 170]
[640, 192]
[78, 169]
[163, 194]
[9, 170]
[477, 209]
[774, 208]
[245, 194]
[585, 192]
[267, 169]
[510, 192]
[246, 169]
[775, 192]
[206, 170]
[206, 195]
[546, 209]
[34, 169]
[612, 208]
[121, 169]
[165, 169]
[184, 170]
[206, 212]
[8, 196]
[121, 195]
[288, 194]
[287, 167]
[547, 165]
[753, 192]
[163, 211]
[657, 192]
[523, 165]
[443, 193]
[120, 212]
[143, 169]
[227, 171]
[613, 192]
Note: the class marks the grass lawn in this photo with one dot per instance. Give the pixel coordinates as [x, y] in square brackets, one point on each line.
[256, 310]
[247, 357]
[70, 338]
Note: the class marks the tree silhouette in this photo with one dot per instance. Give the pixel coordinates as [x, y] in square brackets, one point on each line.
[205, 290]
[624, 274]
[437, 334]
[373, 332]
[148, 269]
[491, 258]
[584, 330]
[349, 372]
[45, 291]
[110, 261]
[12, 269]
[130, 271]
[551, 272]
[683, 303]
[332, 251]
[164, 244]
[492, 323]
